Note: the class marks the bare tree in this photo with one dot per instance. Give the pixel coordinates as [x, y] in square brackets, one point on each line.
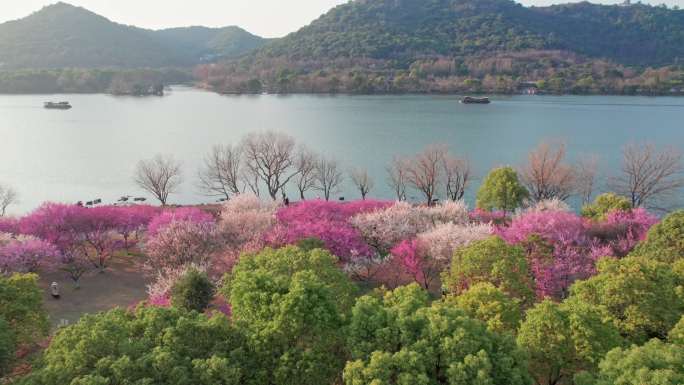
[457, 176]
[586, 171]
[650, 178]
[220, 175]
[8, 197]
[328, 176]
[546, 175]
[363, 182]
[270, 158]
[424, 171]
[396, 177]
[160, 176]
[306, 165]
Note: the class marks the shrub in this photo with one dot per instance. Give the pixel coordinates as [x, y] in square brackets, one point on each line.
[193, 291]
[7, 346]
[665, 241]
[491, 260]
[605, 204]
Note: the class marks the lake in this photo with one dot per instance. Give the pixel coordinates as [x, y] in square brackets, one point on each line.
[91, 151]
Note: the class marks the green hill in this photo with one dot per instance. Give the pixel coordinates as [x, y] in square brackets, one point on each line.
[454, 46]
[404, 30]
[61, 36]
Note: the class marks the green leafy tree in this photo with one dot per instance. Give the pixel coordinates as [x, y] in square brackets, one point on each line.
[147, 346]
[655, 363]
[491, 260]
[292, 305]
[193, 291]
[399, 338]
[7, 346]
[501, 190]
[492, 306]
[604, 204]
[676, 335]
[564, 339]
[665, 240]
[641, 296]
[21, 305]
[308, 244]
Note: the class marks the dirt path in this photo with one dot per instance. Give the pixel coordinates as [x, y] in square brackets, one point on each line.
[122, 285]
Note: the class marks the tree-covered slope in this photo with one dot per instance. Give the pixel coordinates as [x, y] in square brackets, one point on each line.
[61, 35]
[408, 29]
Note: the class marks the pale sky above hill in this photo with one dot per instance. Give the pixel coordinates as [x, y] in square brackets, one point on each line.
[268, 18]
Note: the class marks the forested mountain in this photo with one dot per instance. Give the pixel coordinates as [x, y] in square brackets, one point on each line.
[61, 35]
[452, 46]
[408, 29]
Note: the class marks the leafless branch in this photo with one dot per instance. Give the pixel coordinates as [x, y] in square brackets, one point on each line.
[8, 197]
[328, 176]
[270, 158]
[650, 178]
[220, 175]
[363, 182]
[160, 176]
[546, 175]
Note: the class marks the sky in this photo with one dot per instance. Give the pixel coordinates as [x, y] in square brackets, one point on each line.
[267, 18]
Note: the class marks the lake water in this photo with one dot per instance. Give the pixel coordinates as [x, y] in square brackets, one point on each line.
[91, 151]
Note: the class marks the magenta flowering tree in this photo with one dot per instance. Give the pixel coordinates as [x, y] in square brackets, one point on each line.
[55, 223]
[167, 216]
[327, 221]
[558, 249]
[132, 221]
[620, 231]
[9, 225]
[25, 254]
[485, 216]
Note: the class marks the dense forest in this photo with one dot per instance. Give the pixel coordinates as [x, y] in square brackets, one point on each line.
[372, 46]
[64, 36]
[383, 46]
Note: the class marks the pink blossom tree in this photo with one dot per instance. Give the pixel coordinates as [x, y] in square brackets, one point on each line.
[132, 221]
[25, 254]
[327, 221]
[168, 216]
[180, 243]
[558, 249]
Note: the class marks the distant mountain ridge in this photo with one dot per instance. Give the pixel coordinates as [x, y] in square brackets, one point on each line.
[63, 36]
[404, 30]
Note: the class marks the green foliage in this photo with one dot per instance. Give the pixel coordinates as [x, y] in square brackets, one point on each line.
[492, 306]
[293, 305]
[655, 363]
[401, 30]
[665, 240]
[193, 291]
[641, 296]
[604, 204]
[676, 335]
[146, 346]
[494, 261]
[7, 346]
[402, 339]
[563, 339]
[308, 244]
[501, 190]
[21, 305]
[64, 36]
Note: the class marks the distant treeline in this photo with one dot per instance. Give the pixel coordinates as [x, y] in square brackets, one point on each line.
[552, 72]
[117, 82]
